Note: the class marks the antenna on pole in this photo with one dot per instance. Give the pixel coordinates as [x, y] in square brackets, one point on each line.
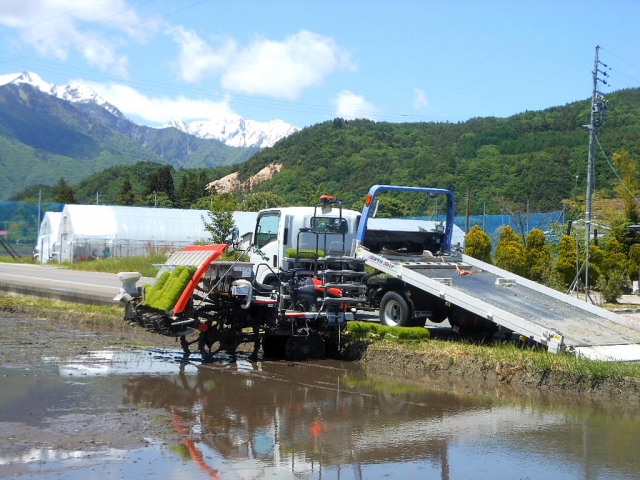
[598, 108]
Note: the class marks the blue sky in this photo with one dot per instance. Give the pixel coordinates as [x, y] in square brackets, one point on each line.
[306, 62]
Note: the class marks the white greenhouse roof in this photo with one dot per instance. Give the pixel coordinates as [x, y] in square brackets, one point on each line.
[50, 224]
[111, 222]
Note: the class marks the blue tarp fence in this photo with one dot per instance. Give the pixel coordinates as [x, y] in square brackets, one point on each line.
[492, 224]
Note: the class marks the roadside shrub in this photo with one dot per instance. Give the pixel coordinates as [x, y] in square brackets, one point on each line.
[538, 255]
[611, 287]
[478, 244]
[510, 254]
[565, 265]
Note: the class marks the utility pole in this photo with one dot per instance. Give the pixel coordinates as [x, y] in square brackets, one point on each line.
[598, 108]
[467, 213]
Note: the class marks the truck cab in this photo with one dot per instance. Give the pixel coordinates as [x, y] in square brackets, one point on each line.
[281, 234]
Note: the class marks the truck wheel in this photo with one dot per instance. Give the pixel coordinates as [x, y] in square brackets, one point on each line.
[394, 310]
[440, 312]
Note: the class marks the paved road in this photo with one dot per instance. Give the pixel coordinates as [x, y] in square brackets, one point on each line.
[60, 284]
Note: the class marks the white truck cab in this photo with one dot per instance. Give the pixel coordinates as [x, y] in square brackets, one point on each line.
[329, 230]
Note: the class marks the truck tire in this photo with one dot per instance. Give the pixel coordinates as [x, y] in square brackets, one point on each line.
[395, 311]
[440, 312]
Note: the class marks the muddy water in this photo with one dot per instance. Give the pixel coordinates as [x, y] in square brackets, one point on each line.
[143, 414]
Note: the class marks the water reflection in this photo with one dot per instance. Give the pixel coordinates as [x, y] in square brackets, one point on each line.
[331, 419]
[296, 420]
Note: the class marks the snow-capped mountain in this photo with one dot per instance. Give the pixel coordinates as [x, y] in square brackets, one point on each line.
[233, 130]
[236, 131]
[73, 92]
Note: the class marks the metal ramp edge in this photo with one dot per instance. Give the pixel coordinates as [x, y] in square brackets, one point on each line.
[580, 304]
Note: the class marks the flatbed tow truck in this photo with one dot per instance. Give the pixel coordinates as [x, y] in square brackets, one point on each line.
[474, 294]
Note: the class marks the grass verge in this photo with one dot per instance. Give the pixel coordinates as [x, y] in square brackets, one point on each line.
[144, 265]
[504, 362]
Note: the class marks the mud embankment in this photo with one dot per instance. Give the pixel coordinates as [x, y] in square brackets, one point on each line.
[467, 374]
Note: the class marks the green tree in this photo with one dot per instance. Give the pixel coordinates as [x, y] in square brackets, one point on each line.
[63, 193]
[254, 202]
[221, 218]
[614, 261]
[627, 189]
[160, 181]
[538, 255]
[126, 195]
[634, 259]
[565, 265]
[510, 253]
[158, 199]
[478, 244]
[611, 288]
[191, 188]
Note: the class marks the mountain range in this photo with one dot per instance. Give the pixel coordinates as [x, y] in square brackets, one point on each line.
[232, 130]
[48, 132]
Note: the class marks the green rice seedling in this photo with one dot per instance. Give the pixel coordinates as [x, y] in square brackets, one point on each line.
[303, 253]
[167, 290]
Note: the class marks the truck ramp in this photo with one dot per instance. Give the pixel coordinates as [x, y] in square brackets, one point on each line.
[541, 314]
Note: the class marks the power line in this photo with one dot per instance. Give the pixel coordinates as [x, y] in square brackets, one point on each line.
[615, 172]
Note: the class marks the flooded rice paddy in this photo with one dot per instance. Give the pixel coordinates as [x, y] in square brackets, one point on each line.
[144, 414]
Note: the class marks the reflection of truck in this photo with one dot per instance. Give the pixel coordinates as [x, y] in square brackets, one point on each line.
[426, 278]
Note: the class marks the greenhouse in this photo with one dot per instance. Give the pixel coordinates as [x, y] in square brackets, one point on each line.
[47, 246]
[100, 231]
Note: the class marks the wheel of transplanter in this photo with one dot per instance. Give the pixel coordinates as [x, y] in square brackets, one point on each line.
[209, 342]
[305, 347]
[394, 310]
[274, 346]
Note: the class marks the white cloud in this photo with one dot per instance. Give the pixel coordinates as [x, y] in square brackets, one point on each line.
[162, 109]
[265, 67]
[350, 106]
[55, 27]
[419, 99]
[197, 59]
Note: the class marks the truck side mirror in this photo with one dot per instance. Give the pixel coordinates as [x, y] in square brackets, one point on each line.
[235, 237]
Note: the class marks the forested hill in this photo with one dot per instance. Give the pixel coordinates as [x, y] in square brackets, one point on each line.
[539, 157]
